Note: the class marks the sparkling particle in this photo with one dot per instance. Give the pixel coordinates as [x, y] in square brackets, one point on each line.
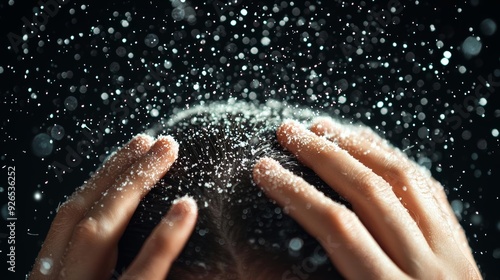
[295, 244]
[151, 40]
[57, 132]
[494, 132]
[178, 13]
[265, 41]
[445, 61]
[124, 23]
[488, 27]
[42, 145]
[471, 46]
[154, 113]
[4, 211]
[482, 144]
[458, 208]
[496, 253]
[45, 266]
[70, 103]
[37, 196]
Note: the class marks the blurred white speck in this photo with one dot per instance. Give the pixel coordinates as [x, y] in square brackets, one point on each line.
[494, 132]
[439, 44]
[496, 252]
[471, 46]
[295, 244]
[167, 64]
[37, 196]
[488, 27]
[151, 40]
[154, 113]
[265, 41]
[45, 266]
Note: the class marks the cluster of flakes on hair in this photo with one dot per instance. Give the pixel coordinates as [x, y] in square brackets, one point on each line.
[209, 117]
[223, 119]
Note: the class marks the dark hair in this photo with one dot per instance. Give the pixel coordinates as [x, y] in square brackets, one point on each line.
[240, 233]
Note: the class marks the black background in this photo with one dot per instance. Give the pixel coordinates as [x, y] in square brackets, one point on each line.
[468, 170]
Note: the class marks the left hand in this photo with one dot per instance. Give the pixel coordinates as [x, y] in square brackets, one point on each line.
[83, 238]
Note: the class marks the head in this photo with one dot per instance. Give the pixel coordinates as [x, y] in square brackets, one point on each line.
[240, 233]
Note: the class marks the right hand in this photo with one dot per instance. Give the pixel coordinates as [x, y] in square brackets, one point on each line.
[401, 226]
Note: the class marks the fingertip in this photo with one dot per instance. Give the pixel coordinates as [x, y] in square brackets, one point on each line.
[264, 170]
[182, 209]
[323, 125]
[287, 130]
[143, 138]
[166, 242]
[140, 143]
[168, 141]
[185, 204]
[263, 164]
[166, 144]
[288, 125]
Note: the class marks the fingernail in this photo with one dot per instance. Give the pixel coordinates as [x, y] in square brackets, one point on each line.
[293, 125]
[327, 127]
[169, 142]
[165, 145]
[138, 145]
[287, 132]
[181, 207]
[143, 138]
[265, 169]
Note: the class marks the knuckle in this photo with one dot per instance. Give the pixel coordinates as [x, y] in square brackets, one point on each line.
[395, 168]
[68, 211]
[89, 229]
[342, 220]
[373, 185]
[370, 135]
[75, 205]
[440, 274]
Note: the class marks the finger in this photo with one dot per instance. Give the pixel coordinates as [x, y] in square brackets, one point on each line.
[74, 209]
[372, 197]
[457, 230]
[409, 182]
[165, 243]
[96, 236]
[419, 192]
[349, 245]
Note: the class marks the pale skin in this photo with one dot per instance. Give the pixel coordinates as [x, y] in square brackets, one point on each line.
[400, 227]
[83, 239]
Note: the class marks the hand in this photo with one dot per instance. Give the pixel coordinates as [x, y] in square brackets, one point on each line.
[82, 240]
[401, 225]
